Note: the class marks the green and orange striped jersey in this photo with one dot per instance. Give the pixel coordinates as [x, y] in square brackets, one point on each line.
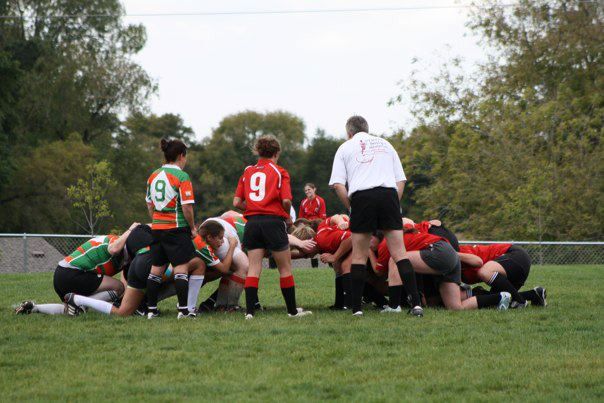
[205, 252]
[93, 255]
[239, 224]
[168, 188]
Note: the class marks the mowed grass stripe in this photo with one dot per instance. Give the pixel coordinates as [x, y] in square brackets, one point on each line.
[533, 354]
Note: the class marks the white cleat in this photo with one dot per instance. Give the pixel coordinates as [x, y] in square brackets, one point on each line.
[504, 302]
[249, 316]
[301, 312]
[358, 313]
[389, 309]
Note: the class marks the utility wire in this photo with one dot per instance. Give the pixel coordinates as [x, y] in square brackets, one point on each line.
[270, 12]
[260, 12]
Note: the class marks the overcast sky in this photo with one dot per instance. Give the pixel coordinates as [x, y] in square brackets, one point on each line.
[321, 67]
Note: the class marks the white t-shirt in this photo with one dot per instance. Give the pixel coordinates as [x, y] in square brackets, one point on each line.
[366, 162]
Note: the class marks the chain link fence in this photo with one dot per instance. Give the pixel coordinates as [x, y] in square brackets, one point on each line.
[28, 253]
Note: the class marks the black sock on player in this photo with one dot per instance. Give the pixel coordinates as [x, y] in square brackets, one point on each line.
[181, 284]
[487, 300]
[339, 300]
[153, 286]
[499, 283]
[357, 275]
[347, 290]
[394, 296]
[405, 270]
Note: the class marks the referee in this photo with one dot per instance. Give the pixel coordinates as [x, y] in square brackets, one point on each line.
[371, 168]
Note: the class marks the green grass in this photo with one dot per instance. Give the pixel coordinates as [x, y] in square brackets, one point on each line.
[551, 354]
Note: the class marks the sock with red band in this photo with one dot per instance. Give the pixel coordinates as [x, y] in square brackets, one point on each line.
[288, 289]
[251, 293]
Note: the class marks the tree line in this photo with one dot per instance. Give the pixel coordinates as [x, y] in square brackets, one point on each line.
[513, 150]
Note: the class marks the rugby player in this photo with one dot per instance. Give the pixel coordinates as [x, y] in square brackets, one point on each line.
[264, 194]
[170, 203]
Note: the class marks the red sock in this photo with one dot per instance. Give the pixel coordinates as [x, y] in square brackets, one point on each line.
[287, 282]
[251, 282]
[238, 279]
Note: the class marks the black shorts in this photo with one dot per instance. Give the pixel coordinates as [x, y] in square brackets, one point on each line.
[172, 246]
[441, 257]
[265, 232]
[139, 271]
[139, 238]
[517, 264]
[375, 209]
[444, 232]
[78, 281]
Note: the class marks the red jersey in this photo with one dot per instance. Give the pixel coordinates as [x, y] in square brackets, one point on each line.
[329, 236]
[469, 275]
[263, 187]
[486, 252]
[423, 226]
[312, 209]
[383, 256]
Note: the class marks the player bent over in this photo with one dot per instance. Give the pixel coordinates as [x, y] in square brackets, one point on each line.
[264, 193]
[504, 267]
[87, 271]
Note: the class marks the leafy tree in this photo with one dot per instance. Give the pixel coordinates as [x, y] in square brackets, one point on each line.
[89, 195]
[224, 155]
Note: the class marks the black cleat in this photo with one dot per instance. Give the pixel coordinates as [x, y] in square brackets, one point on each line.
[417, 311]
[542, 296]
[25, 308]
[72, 308]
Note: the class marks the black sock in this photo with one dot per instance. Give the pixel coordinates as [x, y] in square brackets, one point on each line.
[153, 286]
[211, 300]
[347, 290]
[357, 275]
[500, 283]
[394, 295]
[289, 295]
[181, 283]
[405, 270]
[488, 300]
[531, 295]
[339, 301]
[374, 295]
[251, 297]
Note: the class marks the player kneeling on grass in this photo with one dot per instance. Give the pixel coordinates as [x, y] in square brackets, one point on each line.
[218, 246]
[505, 267]
[137, 245]
[87, 271]
[264, 193]
[433, 255]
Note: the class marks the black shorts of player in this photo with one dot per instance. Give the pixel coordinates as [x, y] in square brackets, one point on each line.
[139, 271]
[517, 264]
[375, 209]
[265, 232]
[139, 238]
[81, 282]
[172, 246]
[442, 257]
[444, 232]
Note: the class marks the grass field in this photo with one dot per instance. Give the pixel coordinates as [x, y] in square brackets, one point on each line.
[535, 354]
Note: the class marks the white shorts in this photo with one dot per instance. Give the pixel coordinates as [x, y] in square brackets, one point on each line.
[228, 231]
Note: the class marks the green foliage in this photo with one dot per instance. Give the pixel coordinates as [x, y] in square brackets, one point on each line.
[516, 151]
[89, 195]
[552, 354]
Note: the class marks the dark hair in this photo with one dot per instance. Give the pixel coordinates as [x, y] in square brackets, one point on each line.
[172, 149]
[311, 185]
[267, 146]
[210, 227]
[314, 224]
[356, 124]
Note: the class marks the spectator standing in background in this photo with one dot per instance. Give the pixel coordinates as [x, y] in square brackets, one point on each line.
[312, 208]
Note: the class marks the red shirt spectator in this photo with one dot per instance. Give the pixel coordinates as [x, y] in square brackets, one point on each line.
[313, 206]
